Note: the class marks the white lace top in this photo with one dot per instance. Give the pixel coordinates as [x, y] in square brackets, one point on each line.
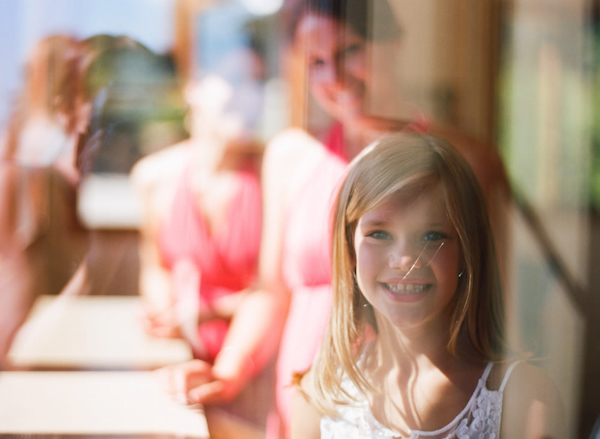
[480, 419]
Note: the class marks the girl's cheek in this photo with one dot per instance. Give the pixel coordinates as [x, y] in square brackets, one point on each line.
[448, 260]
[368, 258]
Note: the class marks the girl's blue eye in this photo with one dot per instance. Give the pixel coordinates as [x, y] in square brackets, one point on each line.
[433, 236]
[380, 234]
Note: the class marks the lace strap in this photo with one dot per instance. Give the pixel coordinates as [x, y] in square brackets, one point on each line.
[507, 375]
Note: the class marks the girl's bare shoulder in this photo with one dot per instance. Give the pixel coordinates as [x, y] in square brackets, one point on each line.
[532, 406]
[305, 417]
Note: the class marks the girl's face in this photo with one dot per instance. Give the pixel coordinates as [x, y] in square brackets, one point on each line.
[408, 259]
[337, 65]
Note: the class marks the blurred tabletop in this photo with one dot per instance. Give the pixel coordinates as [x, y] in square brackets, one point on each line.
[93, 405]
[91, 333]
[80, 368]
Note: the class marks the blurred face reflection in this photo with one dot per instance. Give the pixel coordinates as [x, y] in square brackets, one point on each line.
[337, 66]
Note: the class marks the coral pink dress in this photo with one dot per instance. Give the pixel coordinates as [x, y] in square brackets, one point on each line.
[307, 272]
[227, 260]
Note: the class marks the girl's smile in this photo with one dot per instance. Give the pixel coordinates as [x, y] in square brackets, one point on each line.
[407, 258]
[405, 291]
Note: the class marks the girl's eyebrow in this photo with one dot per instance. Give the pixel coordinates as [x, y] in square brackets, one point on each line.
[375, 222]
[436, 224]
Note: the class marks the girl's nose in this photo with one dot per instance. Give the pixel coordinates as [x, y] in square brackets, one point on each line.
[402, 258]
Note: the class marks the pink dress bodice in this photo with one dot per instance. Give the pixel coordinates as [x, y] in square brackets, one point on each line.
[307, 272]
[227, 259]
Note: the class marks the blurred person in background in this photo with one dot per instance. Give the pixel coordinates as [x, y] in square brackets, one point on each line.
[54, 133]
[41, 240]
[201, 222]
[202, 215]
[289, 308]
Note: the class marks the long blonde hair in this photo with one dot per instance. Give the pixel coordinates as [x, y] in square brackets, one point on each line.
[401, 164]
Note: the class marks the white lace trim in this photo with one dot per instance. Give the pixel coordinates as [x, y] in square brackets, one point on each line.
[480, 419]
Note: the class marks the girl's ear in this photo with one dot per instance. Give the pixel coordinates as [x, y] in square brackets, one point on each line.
[352, 258]
[350, 246]
[462, 266]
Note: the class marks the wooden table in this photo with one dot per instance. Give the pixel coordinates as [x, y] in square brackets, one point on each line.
[93, 404]
[91, 333]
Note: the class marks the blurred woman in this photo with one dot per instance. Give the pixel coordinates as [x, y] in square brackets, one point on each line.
[48, 147]
[201, 223]
[41, 240]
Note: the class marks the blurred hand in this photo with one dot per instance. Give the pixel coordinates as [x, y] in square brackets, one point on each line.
[178, 314]
[197, 382]
[160, 323]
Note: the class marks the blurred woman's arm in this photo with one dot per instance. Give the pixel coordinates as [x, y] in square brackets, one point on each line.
[17, 269]
[257, 325]
[153, 178]
[255, 330]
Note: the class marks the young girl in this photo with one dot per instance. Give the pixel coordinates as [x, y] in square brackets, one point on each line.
[414, 346]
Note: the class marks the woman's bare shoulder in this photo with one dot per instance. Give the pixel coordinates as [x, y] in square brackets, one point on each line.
[291, 147]
[484, 157]
[159, 165]
[532, 406]
[289, 157]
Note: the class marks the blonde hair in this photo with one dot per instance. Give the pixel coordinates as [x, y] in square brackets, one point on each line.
[409, 164]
